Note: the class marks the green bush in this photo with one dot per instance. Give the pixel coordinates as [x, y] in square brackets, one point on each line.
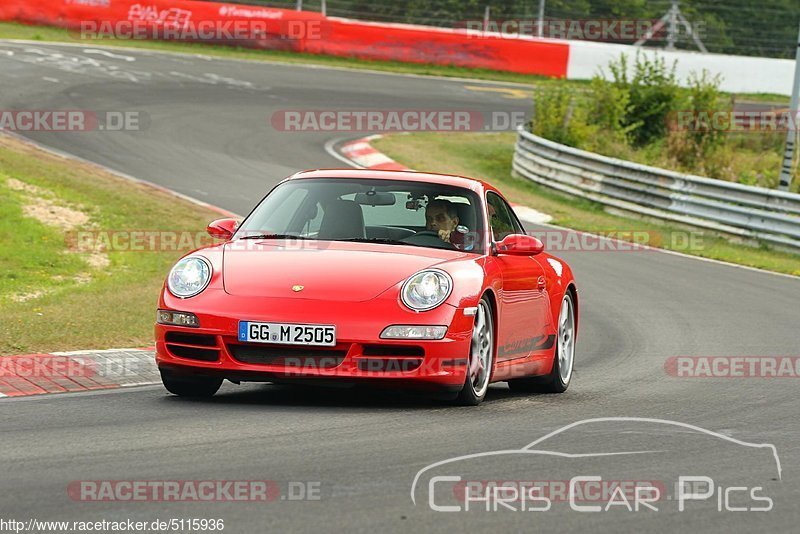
[612, 105]
[691, 147]
[654, 93]
[705, 96]
[704, 93]
[560, 117]
[631, 112]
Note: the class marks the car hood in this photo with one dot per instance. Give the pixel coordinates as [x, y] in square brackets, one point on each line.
[347, 272]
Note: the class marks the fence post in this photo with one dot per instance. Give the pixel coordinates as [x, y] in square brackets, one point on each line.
[540, 29]
[792, 130]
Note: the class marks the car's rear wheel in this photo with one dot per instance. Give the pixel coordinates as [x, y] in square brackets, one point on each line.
[564, 358]
[190, 386]
[481, 357]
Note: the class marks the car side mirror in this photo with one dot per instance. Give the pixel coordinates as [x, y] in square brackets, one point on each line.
[520, 245]
[222, 228]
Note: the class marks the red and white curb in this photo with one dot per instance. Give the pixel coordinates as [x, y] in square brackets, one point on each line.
[362, 154]
[65, 372]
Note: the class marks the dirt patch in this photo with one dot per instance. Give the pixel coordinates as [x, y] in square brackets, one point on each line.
[82, 278]
[18, 185]
[51, 214]
[25, 297]
[98, 260]
[42, 205]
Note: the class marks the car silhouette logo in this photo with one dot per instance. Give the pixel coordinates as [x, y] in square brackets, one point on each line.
[297, 288]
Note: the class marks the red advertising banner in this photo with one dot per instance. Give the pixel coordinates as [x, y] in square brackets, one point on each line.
[283, 29]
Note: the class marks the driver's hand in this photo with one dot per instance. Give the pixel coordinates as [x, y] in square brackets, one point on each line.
[444, 235]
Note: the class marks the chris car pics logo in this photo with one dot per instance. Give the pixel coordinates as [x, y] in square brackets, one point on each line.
[605, 476]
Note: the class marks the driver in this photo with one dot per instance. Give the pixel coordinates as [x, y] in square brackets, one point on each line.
[441, 216]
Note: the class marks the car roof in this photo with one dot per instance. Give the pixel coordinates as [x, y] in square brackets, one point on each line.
[408, 175]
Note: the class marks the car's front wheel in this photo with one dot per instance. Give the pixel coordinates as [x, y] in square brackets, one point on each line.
[564, 358]
[190, 386]
[481, 357]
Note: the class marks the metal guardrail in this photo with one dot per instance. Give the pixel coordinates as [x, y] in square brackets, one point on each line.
[727, 207]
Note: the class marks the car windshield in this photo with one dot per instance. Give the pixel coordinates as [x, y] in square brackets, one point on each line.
[383, 211]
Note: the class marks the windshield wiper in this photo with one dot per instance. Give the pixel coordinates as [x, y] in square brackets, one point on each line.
[273, 236]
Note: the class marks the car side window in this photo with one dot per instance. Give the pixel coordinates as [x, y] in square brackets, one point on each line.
[518, 229]
[501, 220]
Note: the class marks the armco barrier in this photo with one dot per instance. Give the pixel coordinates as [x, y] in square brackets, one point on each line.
[339, 37]
[746, 211]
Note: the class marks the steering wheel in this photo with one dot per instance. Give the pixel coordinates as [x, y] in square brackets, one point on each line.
[428, 238]
[428, 232]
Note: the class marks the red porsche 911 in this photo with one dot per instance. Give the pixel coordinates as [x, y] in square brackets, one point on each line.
[391, 278]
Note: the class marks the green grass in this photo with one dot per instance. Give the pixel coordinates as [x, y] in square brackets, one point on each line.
[82, 305]
[488, 156]
[12, 30]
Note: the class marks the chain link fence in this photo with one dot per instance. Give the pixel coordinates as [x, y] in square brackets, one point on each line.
[740, 27]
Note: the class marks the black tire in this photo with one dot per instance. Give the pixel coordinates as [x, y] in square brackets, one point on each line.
[553, 382]
[469, 396]
[190, 386]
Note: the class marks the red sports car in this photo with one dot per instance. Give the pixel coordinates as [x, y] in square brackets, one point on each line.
[395, 278]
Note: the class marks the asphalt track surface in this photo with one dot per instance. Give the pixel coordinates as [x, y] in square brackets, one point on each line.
[209, 136]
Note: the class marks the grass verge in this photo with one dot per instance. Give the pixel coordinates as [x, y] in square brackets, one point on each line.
[55, 295]
[488, 156]
[13, 30]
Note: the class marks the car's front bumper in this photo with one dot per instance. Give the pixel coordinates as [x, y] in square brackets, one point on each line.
[359, 355]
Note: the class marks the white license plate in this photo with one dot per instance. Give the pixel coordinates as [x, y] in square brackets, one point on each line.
[287, 333]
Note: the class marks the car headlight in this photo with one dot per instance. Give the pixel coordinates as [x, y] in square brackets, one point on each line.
[426, 289]
[189, 277]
